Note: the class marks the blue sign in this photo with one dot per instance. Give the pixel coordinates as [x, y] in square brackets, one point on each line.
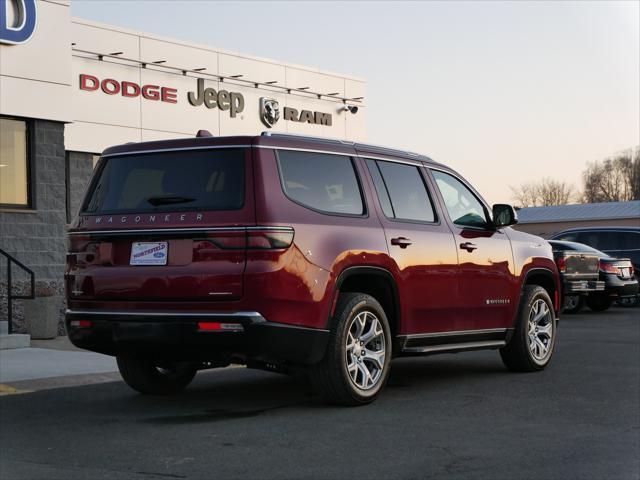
[21, 25]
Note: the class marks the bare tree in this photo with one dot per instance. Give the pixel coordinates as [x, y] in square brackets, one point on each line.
[545, 192]
[615, 179]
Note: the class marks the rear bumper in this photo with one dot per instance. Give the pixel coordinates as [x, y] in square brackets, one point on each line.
[616, 287]
[582, 286]
[177, 335]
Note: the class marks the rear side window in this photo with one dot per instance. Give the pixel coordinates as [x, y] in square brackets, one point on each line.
[169, 181]
[603, 240]
[322, 182]
[402, 191]
[568, 237]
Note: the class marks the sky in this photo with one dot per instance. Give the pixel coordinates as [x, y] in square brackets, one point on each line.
[503, 92]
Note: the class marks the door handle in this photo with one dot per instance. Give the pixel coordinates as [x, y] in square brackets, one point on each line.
[401, 242]
[468, 246]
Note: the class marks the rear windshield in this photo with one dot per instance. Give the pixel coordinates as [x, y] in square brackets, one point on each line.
[168, 181]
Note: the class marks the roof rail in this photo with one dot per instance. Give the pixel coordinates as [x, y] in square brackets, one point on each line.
[301, 136]
[365, 146]
[392, 151]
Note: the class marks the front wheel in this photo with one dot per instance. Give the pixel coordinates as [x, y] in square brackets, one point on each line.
[355, 366]
[155, 377]
[534, 338]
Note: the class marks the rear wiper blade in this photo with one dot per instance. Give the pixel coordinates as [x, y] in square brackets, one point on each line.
[169, 199]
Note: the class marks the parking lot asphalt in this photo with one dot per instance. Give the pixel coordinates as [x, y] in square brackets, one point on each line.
[447, 416]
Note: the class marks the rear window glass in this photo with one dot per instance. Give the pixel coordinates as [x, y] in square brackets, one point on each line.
[169, 181]
[321, 182]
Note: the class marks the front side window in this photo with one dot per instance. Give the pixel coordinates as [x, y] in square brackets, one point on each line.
[464, 208]
[14, 171]
[169, 181]
[402, 191]
[320, 181]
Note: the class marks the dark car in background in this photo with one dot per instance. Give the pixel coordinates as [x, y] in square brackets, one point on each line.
[579, 274]
[617, 242]
[618, 274]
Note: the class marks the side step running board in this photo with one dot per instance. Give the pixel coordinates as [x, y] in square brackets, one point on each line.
[454, 341]
[455, 347]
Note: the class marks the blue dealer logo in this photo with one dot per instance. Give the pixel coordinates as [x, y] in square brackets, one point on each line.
[159, 255]
[18, 19]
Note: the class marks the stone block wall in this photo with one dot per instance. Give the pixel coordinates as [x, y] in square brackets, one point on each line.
[37, 237]
[79, 170]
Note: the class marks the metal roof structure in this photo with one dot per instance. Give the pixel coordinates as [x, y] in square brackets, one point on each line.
[586, 211]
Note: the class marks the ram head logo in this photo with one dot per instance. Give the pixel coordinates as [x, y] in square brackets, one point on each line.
[269, 111]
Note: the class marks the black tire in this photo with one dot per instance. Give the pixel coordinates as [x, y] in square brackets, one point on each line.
[331, 377]
[573, 304]
[155, 378]
[599, 303]
[517, 354]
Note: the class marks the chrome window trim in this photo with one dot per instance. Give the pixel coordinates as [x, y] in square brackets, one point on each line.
[417, 163]
[177, 149]
[179, 230]
[164, 314]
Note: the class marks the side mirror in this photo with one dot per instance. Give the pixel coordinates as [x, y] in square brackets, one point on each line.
[504, 215]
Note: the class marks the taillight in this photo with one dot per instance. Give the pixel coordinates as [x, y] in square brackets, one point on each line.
[251, 239]
[609, 268]
[562, 264]
[269, 239]
[232, 240]
[81, 323]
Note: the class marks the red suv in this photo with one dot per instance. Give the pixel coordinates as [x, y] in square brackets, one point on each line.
[298, 254]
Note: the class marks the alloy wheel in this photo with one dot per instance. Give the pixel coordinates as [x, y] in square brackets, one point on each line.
[365, 350]
[540, 330]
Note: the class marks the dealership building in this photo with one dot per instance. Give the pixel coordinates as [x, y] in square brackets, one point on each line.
[70, 88]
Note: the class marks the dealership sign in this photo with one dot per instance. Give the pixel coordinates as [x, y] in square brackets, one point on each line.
[225, 100]
[18, 20]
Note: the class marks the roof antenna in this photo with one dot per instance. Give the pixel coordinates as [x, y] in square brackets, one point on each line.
[203, 133]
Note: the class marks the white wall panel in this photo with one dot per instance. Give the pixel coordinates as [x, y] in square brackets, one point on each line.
[103, 40]
[176, 55]
[89, 137]
[98, 107]
[354, 89]
[356, 125]
[34, 99]
[317, 82]
[45, 56]
[253, 70]
[337, 128]
[248, 122]
[153, 135]
[181, 116]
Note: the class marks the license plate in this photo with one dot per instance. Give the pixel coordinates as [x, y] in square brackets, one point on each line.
[149, 253]
[625, 272]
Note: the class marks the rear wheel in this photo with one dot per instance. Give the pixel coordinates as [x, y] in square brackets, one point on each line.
[533, 340]
[155, 377]
[355, 366]
[598, 303]
[573, 303]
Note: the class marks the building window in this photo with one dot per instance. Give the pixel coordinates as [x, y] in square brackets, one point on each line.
[14, 164]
